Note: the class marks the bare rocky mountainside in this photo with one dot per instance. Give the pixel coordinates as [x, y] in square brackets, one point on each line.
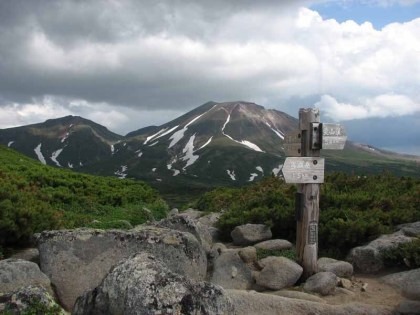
[227, 144]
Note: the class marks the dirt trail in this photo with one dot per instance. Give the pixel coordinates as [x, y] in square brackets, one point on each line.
[377, 292]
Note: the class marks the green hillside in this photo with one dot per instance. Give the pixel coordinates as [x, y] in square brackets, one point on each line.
[353, 209]
[35, 197]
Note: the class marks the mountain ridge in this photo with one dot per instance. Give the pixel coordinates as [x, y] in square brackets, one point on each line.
[229, 143]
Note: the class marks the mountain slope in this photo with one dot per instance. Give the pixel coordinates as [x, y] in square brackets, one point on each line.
[70, 141]
[229, 143]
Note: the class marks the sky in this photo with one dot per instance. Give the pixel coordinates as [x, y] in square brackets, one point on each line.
[127, 64]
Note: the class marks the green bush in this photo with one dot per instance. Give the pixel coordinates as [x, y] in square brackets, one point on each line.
[405, 254]
[353, 209]
[288, 253]
[35, 197]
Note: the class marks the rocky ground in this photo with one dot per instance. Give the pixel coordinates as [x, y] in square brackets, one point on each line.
[179, 266]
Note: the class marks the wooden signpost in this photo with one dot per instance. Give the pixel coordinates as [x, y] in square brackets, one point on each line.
[306, 168]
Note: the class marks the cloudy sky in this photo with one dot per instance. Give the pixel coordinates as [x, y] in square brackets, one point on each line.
[128, 64]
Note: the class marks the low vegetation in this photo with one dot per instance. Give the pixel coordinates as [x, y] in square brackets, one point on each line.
[353, 209]
[35, 197]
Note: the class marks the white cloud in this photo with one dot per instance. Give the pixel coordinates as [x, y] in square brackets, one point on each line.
[387, 105]
[139, 63]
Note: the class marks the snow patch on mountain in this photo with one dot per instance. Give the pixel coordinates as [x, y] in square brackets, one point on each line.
[250, 145]
[154, 169]
[112, 149]
[70, 165]
[205, 144]
[39, 154]
[247, 143]
[231, 174]
[279, 133]
[252, 177]
[139, 154]
[277, 170]
[65, 137]
[153, 144]
[167, 132]
[180, 133]
[10, 143]
[176, 172]
[189, 153]
[121, 172]
[55, 155]
[154, 135]
[260, 169]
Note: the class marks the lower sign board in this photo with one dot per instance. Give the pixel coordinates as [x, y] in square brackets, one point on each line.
[333, 137]
[304, 170]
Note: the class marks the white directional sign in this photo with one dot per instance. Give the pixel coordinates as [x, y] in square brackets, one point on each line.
[304, 170]
[292, 143]
[333, 137]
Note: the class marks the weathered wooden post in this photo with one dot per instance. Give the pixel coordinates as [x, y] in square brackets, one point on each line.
[306, 168]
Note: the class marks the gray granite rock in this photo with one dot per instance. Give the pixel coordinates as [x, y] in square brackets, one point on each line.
[16, 273]
[275, 244]
[278, 273]
[249, 234]
[338, 267]
[143, 285]
[323, 283]
[77, 260]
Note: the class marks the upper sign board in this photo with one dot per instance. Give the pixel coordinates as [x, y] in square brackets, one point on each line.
[292, 143]
[333, 137]
[304, 170]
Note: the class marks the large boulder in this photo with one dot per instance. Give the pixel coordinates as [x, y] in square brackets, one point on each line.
[77, 260]
[27, 298]
[400, 279]
[251, 303]
[411, 287]
[276, 244]
[369, 258]
[231, 272]
[340, 268]
[16, 273]
[410, 229]
[408, 307]
[250, 234]
[144, 285]
[278, 273]
[323, 283]
[187, 223]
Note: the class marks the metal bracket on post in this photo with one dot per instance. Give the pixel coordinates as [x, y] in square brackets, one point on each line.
[315, 138]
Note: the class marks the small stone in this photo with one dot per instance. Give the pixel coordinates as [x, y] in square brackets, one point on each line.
[345, 283]
[364, 287]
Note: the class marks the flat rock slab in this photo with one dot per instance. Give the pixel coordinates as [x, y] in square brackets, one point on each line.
[249, 234]
[276, 244]
[297, 295]
[144, 285]
[252, 303]
[340, 268]
[368, 258]
[16, 273]
[77, 260]
[410, 229]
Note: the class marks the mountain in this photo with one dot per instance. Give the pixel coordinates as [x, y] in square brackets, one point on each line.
[229, 143]
[70, 141]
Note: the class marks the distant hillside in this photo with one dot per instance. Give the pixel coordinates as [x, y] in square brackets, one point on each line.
[215, 144]
[35, 197]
